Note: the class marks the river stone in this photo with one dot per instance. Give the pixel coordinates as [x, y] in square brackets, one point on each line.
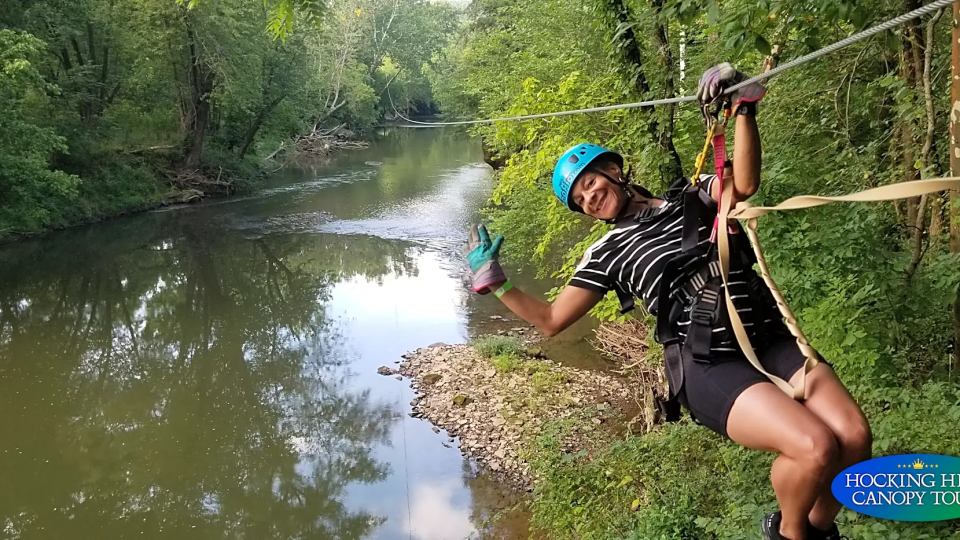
[430, 378]
[384, 370]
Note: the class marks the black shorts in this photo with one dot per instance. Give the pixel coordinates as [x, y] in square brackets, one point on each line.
[710, 388]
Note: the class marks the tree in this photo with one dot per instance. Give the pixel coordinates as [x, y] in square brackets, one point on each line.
[30, 191]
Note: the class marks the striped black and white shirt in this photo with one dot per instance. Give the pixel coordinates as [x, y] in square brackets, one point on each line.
[632, 257]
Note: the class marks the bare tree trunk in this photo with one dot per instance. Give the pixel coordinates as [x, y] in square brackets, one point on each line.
[936, 206]
[920, 223]
[771, 60]
[386, 86]
[776, 47]
[201, 83]
[674, 169]
[911, 71]
[328, 114]
[936, 216]
[955, 166]
[255, 126]
[628, 44]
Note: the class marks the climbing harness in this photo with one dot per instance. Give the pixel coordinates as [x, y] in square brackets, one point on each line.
[696, 278]
[860, 36]
[745, 211]
[721, 235]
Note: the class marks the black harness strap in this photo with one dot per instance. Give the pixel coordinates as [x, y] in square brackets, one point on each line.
[703, 317]
[691, 233]
[626, 300]
[676, 288]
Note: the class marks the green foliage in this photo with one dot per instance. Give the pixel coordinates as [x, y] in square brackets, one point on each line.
[490, 346]
[506, 363]
[105, 101]
[545, 380]
[687, 482]
[30, 191]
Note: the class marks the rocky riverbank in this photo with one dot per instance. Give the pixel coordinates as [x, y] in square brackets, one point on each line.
[496, 403]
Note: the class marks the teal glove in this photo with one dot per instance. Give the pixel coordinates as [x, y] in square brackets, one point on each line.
[483, 256]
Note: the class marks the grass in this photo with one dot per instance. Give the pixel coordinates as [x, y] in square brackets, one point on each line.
[683, 481]
[491, 346]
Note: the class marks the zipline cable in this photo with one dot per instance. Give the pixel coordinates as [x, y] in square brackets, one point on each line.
[897, 21]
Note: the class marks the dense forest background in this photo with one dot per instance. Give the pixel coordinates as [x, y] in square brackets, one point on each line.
[874, 285]
[112, 106]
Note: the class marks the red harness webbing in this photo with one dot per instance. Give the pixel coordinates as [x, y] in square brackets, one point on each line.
[719, 163]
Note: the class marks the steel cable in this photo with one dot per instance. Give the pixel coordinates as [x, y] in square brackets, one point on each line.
[860, 36]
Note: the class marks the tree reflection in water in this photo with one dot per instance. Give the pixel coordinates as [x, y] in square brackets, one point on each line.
[190, 384]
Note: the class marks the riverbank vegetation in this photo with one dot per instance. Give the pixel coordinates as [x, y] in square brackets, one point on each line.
[874, 285]
[110, 107]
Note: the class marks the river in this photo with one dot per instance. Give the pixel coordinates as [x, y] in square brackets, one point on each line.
[210, 371]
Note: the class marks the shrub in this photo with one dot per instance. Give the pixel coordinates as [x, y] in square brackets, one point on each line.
[506, 363]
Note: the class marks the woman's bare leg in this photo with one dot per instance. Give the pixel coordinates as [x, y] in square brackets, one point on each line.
[830, 401]
[764, 418]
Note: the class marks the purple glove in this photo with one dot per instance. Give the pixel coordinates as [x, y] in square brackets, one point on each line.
[722, 76]
[483, 256]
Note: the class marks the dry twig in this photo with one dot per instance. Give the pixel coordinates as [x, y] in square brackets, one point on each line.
[626, 344]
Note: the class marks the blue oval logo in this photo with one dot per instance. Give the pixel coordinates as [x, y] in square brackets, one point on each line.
[910, 487]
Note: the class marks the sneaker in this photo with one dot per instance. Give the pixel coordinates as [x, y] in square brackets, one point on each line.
[771, 526]
[814, 533]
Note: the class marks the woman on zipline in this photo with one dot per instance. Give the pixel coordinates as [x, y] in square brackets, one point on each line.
[642, 257]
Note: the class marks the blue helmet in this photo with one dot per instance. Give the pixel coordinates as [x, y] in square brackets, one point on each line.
[572, 163]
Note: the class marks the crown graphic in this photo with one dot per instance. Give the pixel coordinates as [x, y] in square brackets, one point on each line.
[918, 464]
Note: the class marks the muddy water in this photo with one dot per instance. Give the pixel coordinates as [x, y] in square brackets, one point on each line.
[209, 371]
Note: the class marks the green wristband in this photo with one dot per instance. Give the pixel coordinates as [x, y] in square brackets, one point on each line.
[503, 289]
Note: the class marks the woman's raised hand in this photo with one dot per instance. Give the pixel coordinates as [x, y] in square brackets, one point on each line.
[722, 76]
[484, 258]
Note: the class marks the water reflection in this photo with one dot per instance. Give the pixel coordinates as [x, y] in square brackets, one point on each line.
[193, 385]
[210, 371]
[434, 515]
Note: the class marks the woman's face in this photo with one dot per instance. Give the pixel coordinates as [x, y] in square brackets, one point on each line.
[599, 197]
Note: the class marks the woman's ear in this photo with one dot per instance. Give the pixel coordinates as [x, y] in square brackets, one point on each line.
[613, 170]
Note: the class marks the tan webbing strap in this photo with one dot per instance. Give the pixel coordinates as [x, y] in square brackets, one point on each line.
[902, 190]
[723, 250]
[749, 212]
